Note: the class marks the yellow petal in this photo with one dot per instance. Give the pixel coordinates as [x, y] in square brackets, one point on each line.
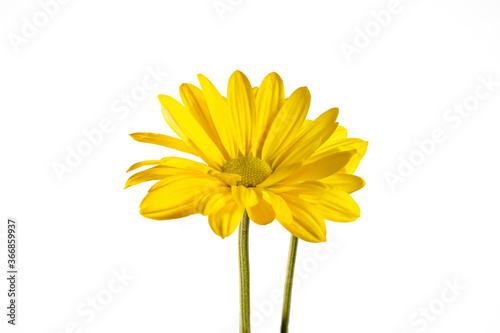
[268, 102]
[168, 167]
[322, 168]
[340, 145]
[340, 133]
[226, 220]
[241, 101]
[330, 147]
[184, 124]
[283, 212]
[291, 159]
[310, 191]
[229, 179]
[344, 182]
[171, 212]
[143, 163]
[280, 173]
[222, 118]
[163, 140]
[155, 173]
[175, 199]
[212, 200]
[263, 213]
[338, 206]
[287, 123]
[195, 102]
[305, 126]
[310, 140]
[255, 90]
[307, 224]
[184, 163]
[185, 169]
[353, 164]
[246, 196]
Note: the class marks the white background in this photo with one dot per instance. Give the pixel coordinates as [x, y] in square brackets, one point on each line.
[440, 224]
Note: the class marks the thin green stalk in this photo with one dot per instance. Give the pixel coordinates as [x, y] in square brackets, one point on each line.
[244, 275]
[287, 296]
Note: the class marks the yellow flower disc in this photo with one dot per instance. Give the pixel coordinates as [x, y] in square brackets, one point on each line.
[252, 170]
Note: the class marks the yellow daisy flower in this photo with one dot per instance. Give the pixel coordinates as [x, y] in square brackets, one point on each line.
[261, 155]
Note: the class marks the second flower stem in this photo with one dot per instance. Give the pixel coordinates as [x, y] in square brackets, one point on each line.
[244, 275]
[287, 296]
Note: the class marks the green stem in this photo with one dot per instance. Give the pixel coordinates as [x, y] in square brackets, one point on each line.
[244, 275]
[287, 296]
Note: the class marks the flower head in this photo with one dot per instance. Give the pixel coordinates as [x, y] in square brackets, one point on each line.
[261, 154]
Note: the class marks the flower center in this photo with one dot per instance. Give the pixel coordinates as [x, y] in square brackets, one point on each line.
[252, 170]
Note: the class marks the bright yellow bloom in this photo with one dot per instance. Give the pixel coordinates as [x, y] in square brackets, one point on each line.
[261, 154]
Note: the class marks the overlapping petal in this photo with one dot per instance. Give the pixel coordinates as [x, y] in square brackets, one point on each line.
[345, 182]
[143, 163]
[306, 222]
[188, 129]
[338, 206]
[287, 123]
[269, 100]
[246, 196]
[195, 102]
[323, 167]
[223, 119]
[175, 198]
[241, 101]
[227, 219]
[358, 146]
[213, 199]
[262, 213]
[163, 140]
[307, 143]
